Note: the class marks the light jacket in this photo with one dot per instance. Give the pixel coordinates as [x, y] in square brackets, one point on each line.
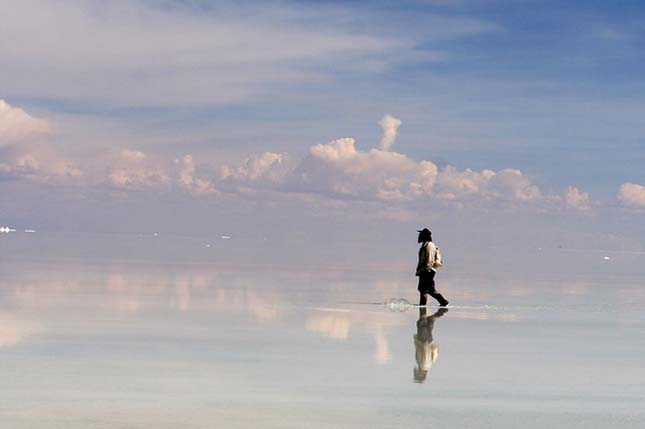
[427, 254]
[425, 349]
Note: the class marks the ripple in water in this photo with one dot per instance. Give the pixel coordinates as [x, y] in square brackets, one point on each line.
[398, 304]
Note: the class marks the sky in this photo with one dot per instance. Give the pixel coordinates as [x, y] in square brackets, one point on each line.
[510, 122]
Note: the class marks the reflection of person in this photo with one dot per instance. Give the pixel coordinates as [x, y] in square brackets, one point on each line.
[425, 349]
[426, 269]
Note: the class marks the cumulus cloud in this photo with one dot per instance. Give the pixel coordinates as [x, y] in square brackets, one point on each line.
[16, 125]
[505, 185]
[189, 178]
[390, 125]
[268, 168]
[25, 152]
[45, 166]
[576, 199]
[337, 170]
[137, 178]
[130, 169]
[133, 155]
[632, 195]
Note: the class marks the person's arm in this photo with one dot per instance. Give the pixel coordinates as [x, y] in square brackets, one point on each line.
[423, 259]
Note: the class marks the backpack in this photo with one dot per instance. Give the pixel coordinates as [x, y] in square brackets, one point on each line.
[438, 260]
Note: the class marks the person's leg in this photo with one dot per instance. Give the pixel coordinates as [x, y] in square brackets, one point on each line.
[423, 289]
[423, 298]
[436, 295]
[433, 292]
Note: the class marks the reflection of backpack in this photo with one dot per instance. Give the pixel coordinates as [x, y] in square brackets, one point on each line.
[438, 260]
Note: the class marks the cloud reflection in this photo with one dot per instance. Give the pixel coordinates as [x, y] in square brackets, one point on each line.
[31, 299]
[382, 354]
[14, 329]
[332, 326]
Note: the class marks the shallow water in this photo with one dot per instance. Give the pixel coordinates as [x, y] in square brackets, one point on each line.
[106, 342]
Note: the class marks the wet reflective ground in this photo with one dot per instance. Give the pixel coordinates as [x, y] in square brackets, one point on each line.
[107, 344]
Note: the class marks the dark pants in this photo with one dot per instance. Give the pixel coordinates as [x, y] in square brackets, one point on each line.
[426, 287]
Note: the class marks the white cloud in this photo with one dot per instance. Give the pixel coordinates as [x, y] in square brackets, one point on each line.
[509, 185]
[42, 165]
[190, 180]
[16, 125]
[268, 168]
[25, 150]
[133, 155]
[337, 170]
[632, 195]
[264, 171]
[128, 169]
[576, 199]
[137, 178]
[390, 125]
[186, 170]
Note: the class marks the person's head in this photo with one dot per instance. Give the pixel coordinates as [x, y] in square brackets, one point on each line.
[424, 235]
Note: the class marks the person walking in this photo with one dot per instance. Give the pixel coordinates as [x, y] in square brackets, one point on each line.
[426, 269]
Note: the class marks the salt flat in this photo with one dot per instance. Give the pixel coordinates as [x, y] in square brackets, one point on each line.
[110, 342]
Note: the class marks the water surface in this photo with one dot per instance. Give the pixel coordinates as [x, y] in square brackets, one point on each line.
[111, 342]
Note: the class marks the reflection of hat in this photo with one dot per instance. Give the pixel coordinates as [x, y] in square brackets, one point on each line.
[424, 231]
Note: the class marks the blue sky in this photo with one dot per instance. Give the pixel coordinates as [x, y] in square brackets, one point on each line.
[224, 103]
